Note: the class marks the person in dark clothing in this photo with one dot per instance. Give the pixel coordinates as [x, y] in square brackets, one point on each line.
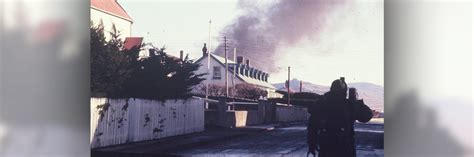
[331, 124]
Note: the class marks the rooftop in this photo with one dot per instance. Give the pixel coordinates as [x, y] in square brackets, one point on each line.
[111, 7]
[131, 42]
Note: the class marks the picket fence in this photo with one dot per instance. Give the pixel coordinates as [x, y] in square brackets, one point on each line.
[119, 121]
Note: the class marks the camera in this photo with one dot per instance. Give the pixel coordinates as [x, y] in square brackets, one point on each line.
[353, 95]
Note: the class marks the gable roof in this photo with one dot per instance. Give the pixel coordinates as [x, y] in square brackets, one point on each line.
[217, 58]
[244, 78]
[131, 42]
[222, 59]
[111, 7]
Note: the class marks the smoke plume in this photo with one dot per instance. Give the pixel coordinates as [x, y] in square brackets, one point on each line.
[261, 29]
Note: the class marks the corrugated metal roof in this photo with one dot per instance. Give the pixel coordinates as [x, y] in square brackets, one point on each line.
[111, 7]
[256, 82]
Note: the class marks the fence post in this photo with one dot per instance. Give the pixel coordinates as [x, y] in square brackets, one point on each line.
[270, 111]
[261, 111]
[131, 120]
[222, 112]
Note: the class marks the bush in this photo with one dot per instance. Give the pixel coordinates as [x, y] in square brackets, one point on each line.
[247, 91]
[242, 90]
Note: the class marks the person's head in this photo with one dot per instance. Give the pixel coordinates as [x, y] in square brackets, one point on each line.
[338, 86]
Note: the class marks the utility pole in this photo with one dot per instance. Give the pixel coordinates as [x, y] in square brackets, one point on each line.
[209, 45]
[226, 68]
[301, 86]
[288, 85]
[235, 66]
[208, 65]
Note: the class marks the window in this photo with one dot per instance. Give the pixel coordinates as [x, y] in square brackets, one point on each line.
[216, 72]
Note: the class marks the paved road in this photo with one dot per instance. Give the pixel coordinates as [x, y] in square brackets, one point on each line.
[285, 141]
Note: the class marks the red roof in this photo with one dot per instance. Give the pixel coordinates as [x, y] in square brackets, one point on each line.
[131, 42]
[111, 7]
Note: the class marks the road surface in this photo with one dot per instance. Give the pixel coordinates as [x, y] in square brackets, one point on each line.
[285, 141]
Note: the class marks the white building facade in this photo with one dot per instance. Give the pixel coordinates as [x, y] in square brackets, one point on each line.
[110, 13]
[244, 73]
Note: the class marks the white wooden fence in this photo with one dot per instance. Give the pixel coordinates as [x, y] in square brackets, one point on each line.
[118, 121]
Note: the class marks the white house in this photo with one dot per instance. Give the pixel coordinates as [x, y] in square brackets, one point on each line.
[244, 73]
[110, 13]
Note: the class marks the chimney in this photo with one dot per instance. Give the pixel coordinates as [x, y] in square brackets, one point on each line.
[181, 57]
[301, 86]
[204, 50]
[240, 59]
[247, 62]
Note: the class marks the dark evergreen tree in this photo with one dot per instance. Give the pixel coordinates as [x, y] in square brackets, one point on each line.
[161, 76]
[117, 72]
[110, 65]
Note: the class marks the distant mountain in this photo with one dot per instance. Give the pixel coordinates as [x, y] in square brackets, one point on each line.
[372, 94]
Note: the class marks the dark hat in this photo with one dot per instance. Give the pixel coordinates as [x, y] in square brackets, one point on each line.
[338, 86]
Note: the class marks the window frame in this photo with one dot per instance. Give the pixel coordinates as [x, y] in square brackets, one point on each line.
[216, 72]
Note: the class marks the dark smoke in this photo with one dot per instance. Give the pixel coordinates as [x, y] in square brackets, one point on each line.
[261, 30]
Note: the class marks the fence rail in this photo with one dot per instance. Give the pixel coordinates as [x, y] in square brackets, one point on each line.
[206, 99]
[243, 103]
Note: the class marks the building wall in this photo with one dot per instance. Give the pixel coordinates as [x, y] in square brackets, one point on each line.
[122, 25]
[260, 113]
[219, 82]
[290, 113]
[132, 120]
[273, 94]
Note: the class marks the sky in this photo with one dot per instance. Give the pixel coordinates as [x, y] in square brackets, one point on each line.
[350, 43]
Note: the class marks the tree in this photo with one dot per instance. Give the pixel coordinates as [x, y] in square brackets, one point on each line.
[111, 66]
[117, 72]
[213, 89]
[161, 76]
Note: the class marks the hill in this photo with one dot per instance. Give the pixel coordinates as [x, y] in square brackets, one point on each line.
[372, 94]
